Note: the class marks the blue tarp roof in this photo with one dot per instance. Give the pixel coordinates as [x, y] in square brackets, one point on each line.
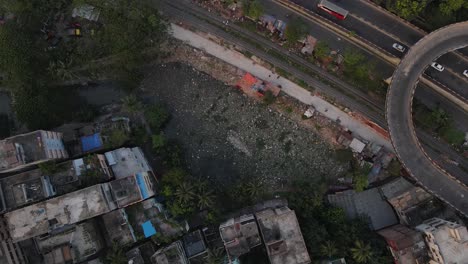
[148, 229]
[142, 185]
[91, 142]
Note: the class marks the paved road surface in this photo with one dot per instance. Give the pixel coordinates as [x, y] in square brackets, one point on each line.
[399, 116]
[384, 30]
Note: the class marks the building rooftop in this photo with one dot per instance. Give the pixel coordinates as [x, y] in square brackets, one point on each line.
[127, 161]
[141, 254]
[368, 203]
[25, 148]
[407, 245]
[81, 241]
[451, 239]
[126, 191]
[24, 188]
[40, 218]
[194, 244]
[282, 236]
[240, 234]
[172, 254]
[118, 228]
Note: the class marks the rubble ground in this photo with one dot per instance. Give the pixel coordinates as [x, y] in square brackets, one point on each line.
[227, 136]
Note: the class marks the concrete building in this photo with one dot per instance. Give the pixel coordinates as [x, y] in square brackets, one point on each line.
[141, 254]
[195, 247]
[56, 213]
[282, 236]
[133, 189]
[239, 235]
[36, 185]
[127, 161]
[368, 203]
[447, 241]
[24, 150]
[118, 228]
[73, 245]
[10, 252]
[406, 245]
[172, 254]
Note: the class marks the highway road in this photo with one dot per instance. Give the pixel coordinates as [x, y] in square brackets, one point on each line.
[399, 115]
[382, 29]
[345, 94]
[336, 42]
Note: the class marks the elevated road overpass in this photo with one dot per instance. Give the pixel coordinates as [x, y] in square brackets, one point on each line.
[399, 115]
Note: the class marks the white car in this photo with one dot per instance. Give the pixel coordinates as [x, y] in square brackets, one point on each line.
[398, 47]
[465, 73]
[437, 66]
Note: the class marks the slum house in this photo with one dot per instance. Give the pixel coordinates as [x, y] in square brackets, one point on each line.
[308, 45]
[58, 212]
[412, 204]
[368, 203]
[10, 252]
[239, 235]
[282, 236]
[172, 254]
[75, 244]
[118, 228]
[406, 245]
[21, 151]
[253, 86]
[149, 218]
[195, 247]
[141, 254]
[267, 22]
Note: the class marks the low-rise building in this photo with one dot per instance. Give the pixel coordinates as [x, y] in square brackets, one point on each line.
[118, 228]
[133, 189]
[172, 254]
[141, 254]
[239, 235]
[282, 236]
[24, 150]
[368, 203]
[125, 162]
[73, 245]
[406, 245]
[447, 241]
[58, 212]
[10, 252]
[412, 204]
[195, 247]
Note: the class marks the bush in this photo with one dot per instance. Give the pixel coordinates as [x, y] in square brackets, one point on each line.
[269, 98]
[452, 135]
[156, 116]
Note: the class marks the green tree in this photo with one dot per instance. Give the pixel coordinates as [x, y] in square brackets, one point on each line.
[328, 249]
[253, 9]
[184, 193]
[321, 50]
[215, 256]
[116, 255]
[156, 116]
[48, 167]
[448, 7]
[409, 9]
[131, 104]
[205, 199]
[452, 135]
[158, 141]
[254, 189]
[295, 30]
[361, 252]
[440, 117]
[269, 98]
[117, 138]
[394, 168]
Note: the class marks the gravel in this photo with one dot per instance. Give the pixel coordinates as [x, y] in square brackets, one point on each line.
[227, 136]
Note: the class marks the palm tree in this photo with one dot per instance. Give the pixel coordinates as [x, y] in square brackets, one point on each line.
[131, 104]
[184, 193]
[328, 249]
[361, 252]
[215, 256]
[205, 199]
[116, 255]
[254, 189]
